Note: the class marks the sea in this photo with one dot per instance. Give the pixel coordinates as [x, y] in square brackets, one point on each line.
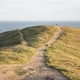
[12, 25]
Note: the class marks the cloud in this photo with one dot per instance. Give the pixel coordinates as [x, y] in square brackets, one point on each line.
[39, 10]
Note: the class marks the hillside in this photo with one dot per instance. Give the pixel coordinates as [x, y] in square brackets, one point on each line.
[35, 36]
[38, 36]
[64, 55]
[16, 54]
[12, 50]
[62, 51]
[35, 69]
[9, 38]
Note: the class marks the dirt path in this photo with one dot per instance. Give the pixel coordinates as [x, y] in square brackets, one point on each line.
[22, 38]
[21, 35]
[36, 68]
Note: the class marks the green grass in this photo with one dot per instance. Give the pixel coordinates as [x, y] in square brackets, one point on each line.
[64, 55]
[13, 50]
[9, 38]
[16, 54]
[37, 36]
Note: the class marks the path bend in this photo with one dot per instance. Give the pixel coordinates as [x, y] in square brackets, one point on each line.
[36, 69]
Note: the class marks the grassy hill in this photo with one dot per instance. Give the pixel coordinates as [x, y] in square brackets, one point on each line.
[35, 36]
[11, 49]
[64, 55]
[38, 36]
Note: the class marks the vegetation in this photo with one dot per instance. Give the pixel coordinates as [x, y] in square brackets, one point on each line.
[16, 54]
[34, 36]
[13, 50]
[64, 55]
[38, 36]
[9, 38]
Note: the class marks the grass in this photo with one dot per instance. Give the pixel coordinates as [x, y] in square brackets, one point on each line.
[64, 55]
[9, 38]
[16, 54]
[37, 36]
[13, 50]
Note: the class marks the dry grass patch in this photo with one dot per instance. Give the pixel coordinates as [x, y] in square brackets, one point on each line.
[16, 54]
[64, 55]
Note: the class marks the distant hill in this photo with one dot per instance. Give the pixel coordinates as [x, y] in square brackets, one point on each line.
[34, 36]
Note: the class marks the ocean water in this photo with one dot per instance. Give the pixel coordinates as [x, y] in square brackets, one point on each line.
[12, 25]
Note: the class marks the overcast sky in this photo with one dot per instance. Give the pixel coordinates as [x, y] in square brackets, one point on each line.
[40, 10]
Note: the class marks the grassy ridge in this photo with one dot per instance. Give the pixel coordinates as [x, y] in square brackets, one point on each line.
[11, 49]
[64, 55]
[35, 36]
[38, 36]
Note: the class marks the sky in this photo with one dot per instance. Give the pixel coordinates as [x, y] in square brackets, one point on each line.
[39, 10]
